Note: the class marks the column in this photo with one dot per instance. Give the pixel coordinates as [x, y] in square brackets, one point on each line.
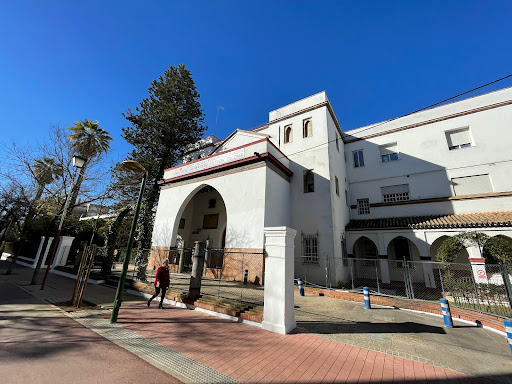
[39, 250]
[47, 250]
[384, 269]
[477, 265]
[278, 312]
[428, 272]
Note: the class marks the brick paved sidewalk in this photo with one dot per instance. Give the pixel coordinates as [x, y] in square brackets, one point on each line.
[252, 355]
[249, 354]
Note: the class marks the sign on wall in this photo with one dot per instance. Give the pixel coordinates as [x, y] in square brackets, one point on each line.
[209, 162]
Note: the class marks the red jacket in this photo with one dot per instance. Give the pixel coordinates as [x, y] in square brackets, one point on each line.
[162, 275]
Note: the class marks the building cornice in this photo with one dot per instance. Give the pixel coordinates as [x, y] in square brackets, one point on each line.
[426, 122]
[263, 157]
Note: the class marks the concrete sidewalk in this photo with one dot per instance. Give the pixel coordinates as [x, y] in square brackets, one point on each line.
[335, 342]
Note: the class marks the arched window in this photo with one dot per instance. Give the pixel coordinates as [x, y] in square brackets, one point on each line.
[307, 129]
[288, 134]
[309, 181]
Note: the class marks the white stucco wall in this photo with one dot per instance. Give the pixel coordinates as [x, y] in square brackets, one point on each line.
[426, 163]
[244, 197]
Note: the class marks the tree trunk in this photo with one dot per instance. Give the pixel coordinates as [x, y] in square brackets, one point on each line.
[76, 188]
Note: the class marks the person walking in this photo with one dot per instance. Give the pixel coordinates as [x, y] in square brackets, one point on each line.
[162, 282]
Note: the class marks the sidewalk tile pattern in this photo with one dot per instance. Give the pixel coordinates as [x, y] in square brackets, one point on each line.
[252, 355]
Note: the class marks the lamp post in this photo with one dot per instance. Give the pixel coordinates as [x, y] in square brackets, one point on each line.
[78, 162]
[136, 167]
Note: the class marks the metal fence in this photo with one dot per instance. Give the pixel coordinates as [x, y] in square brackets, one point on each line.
[227, 274]
[485, 288]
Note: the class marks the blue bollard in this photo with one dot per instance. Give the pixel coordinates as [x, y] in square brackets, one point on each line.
[508, 330]
[366, 294]
[301, 286]
[447, 314]
[246, 274]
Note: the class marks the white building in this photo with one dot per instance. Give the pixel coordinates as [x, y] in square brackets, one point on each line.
[390, 190]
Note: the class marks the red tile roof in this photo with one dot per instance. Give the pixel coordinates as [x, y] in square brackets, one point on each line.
[465, 220]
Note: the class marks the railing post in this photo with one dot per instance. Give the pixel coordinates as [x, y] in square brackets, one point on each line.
[508, 330]
[508, 287]
[447, 314]
[206, 256]
[180, 263]
[366, 294]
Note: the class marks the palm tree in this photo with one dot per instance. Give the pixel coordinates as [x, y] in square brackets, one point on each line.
[45, 171]
[89, 141]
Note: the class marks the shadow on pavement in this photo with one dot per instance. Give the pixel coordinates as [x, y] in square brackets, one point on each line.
[325, 327]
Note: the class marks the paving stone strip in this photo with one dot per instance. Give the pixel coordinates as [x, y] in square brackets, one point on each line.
[178, 365]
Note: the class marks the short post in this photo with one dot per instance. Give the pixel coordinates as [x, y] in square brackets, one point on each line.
[366, 294]
[246, 274]
[301, 286]
[447, 314]
[194, 290]
[508, 330]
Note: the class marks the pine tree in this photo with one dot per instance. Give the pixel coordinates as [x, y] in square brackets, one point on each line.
[164, 123]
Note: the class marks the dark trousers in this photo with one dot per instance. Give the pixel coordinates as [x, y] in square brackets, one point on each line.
[157, 292]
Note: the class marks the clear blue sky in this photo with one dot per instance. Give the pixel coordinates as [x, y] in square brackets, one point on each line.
[62, 61]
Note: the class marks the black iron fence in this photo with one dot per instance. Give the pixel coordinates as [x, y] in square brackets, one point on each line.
[485, 288]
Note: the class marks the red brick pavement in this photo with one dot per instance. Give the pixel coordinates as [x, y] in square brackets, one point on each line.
[252, 355]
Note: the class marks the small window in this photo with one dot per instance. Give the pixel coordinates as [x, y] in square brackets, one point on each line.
[458, 139]
[288, 134]
[337, 185]
[395, 193]
[210, 221]
[346, 198]
[310, 248]
[472, 185]
[363, 206]
[358, 158]
[307, 128]
[309, 181]
[337, 143]
[388, 152]
[212, 203]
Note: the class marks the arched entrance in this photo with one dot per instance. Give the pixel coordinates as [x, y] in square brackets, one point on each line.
[204, 218]
[401, 250]
[489, 258]
[364, 268]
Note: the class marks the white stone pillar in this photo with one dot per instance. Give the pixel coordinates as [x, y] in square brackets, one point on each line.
[428, 272]
[39, 251]
[47, 250]
[278, 311]
[61, 256]
[384, 269]
[477, 265]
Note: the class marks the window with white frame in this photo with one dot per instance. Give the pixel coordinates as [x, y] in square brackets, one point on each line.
[395, 193]
[337, 185]
[358, 158]
[471, 185]
[458, 138]
[310, 248]
[388, 152]
[288, 134]
[307, 128]
[337, 144]
[363, 206]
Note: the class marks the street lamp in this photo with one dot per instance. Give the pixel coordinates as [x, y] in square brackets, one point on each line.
[78, 162]
[136, 167]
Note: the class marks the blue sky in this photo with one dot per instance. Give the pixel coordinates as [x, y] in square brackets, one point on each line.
[63, 61]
